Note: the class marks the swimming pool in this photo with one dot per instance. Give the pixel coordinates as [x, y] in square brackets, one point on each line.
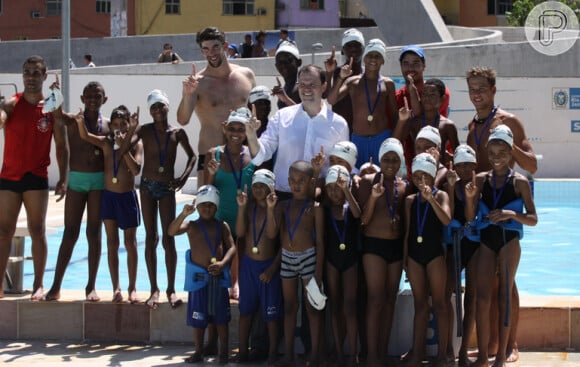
[548, 264]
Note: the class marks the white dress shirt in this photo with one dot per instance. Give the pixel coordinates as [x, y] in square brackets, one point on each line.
[297, 136]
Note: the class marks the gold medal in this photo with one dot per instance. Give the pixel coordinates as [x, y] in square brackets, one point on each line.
[342, 247]
[97, 152]
[254, 250]
[213, 260]
[370, 118]
[161, 169]
[114, 180]
[419, 239]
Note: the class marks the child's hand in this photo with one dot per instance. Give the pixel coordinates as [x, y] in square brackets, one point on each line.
[378, 188]
[346, 70]
[134, 119]
[451, 175]
[242, 197]
[318, 160]
[501, 215]
[266, 276]
[215, 268]
[253, 125]
[404, 112]
[330, 63]
[80, 117]
[56, 84]
[434, 152]
[188, 208]
[471, 187]
[272, 198]
[342, 183]
[212, 164]
[425, 189]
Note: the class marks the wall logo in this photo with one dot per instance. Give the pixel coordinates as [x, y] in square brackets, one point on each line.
[551, 28]
[575, 126]
[560, 97]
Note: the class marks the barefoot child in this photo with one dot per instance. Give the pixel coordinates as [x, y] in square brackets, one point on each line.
[504, 195]
[462, 240]
[300, 225]
[426, 213]
[341, 231]
[157, 190]
[211, 250]
[381, 195]
[85, 189]
[260, 283]
[119, 208]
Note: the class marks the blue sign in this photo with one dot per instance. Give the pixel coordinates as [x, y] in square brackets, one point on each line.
[575, 126]
[575, 98]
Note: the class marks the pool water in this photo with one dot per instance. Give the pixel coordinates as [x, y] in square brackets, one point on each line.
[548, 264]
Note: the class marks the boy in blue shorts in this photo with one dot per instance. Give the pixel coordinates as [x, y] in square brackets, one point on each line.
[119, 205]
[260, 283]
[207, 278]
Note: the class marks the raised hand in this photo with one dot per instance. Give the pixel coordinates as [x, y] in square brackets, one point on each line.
[191, 83]
[318, 160]
[330, 63]
[342, 183]
[346, 70]
[425, 189]
[188, 208]
[56, 84]
[134, 118]
[212, 165]
[272, 198]
[404, 112]
[451, 175]
[242, 197]
[378, 188]
[279, 91]
[434, 152]
[471, 187]
[253, 124]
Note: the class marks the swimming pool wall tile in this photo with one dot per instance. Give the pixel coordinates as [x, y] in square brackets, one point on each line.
[541, 328]
[575, 328]
[8, 319]
[117, 322]
[37, 320]
[168, 325]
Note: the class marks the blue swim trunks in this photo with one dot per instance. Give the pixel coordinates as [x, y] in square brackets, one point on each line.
[368, 146]
[155, 189]
[254, 292]
[86, 181]
[122, 208]
[210, 304]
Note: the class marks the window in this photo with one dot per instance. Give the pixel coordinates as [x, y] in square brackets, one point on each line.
[172, 7]
[312, 4]
[53, 7]
[238, 7]
[103, 6]
[499, 7]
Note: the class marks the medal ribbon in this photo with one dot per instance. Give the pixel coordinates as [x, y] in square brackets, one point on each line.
[162, 153]
[421, 219]
[292, 230]
[368, 97]
[487, 122]
[115, 164]
[435, 123]
[497, 196]
[262, 227]
[392, 208]
[212, 249]
[341, 236]
[236, 177]
[99, 124]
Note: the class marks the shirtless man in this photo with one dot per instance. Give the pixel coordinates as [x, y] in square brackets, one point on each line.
[481, 88]
[28, 132]
[213, 92]
[372, 95]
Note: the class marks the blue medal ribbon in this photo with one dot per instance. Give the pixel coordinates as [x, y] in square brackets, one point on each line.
[212, 249]
[162, 153]
[487, 122]
[497, 196]
[341, 235]
[256, 240]
[435, 123]
[422, 218]
[237, 175]
[368, 97]
[292, 230]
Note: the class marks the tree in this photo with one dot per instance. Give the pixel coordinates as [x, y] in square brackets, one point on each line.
[521, 9]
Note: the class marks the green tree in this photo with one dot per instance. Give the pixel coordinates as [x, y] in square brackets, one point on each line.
[521, 9]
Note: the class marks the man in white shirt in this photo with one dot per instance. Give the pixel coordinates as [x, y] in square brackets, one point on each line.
[299, 132]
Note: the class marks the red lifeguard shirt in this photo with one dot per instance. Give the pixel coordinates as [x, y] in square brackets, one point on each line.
[27, 141]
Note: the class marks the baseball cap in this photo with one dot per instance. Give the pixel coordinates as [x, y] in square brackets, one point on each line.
[414, 49]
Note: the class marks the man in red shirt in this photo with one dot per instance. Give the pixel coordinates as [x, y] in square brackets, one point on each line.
[28, 131]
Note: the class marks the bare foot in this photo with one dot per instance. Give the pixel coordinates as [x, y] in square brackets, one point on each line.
[513, 355]
[133, 297]
[234, 292]
[37, 295]
[92, 296]
[153, 300]
[52, 295]
[480, 362]
[117, 296]
[174, 301]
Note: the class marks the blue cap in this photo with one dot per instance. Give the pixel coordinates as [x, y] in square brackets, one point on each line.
[233, 47]
[414, 49]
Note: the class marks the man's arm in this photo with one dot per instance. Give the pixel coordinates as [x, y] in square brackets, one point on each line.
[523, 152]
[5, 110]
[188, 97]
[62, 157]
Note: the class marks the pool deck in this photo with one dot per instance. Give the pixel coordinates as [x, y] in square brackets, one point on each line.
[104, 333]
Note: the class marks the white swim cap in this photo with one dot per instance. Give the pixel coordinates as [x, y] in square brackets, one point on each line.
[345, 150]
[315, 295]
[264, 176]
[430, 133]
[464, 154]
[290, 48]
[259, 92]
[426, 163]
[242, 115]
[336, 171]
[155, 96]
[208, 193]
[353, 34]
[376, 45]
[502, 132]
